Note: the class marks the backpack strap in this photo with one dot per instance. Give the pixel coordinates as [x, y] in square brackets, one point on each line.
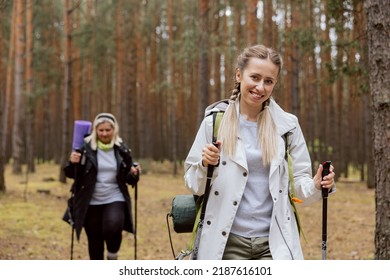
[218, 106]
[201, 203]
[217, 116]
[292, 197]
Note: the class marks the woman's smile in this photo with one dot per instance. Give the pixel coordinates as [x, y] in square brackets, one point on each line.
[257, 82]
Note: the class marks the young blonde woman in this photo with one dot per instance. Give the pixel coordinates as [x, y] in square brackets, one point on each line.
[249, 214]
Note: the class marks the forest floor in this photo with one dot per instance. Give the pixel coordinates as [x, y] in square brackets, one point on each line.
[32, 228]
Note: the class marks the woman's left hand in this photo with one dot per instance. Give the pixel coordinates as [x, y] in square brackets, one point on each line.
[327, 181]
[135, 170]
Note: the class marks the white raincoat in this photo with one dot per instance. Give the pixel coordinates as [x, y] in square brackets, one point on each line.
[228, 184]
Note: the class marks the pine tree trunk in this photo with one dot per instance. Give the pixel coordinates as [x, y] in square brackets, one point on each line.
[119, 97]
[216, 52]
[30, 121]
[203, 58]
[171, 85]
[2, 132]
[378, 25]
[252, 22]
[268, 26]
[295, 59]
[67, 89]
[140, 82]
[8, 89]
[76, 71]
[17, 141]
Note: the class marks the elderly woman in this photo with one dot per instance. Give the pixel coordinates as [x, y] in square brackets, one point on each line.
[101, 171]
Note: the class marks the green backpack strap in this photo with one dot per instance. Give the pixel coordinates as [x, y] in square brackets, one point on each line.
[292, 197]
[217, 117]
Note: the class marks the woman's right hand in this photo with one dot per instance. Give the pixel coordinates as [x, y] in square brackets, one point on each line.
[210, 154]
[75, 157]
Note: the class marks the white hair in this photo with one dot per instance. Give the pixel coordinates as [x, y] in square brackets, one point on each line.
[99, 119]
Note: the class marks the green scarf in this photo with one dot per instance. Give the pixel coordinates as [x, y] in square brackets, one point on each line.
[104, 147]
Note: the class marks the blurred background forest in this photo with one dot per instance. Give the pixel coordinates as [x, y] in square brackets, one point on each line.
[156, 65]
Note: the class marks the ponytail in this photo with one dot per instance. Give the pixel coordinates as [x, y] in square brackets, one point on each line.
[228, 129]
[267, 134]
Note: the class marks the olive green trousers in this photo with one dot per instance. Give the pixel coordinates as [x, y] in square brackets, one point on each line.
[242, 248]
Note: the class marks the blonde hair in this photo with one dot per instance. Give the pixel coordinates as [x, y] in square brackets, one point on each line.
[99, 119]
[267, 132]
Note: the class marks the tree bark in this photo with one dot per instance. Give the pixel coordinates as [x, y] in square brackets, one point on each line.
[119, 97]
[2, 132]
[203, 58]
[252, 22]
[17, 141]
[67, 89]
[30, 121]
[295, 59]
[268, 30]
[216, 52]
[171, 85]
[8, 89]
[378, 26]
[77, 75]
[140, 82]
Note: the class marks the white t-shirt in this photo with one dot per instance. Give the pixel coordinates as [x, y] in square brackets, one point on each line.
[106, 188]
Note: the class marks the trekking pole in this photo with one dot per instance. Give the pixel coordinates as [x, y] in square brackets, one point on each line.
[135, 164]
[135, 227]
[71, 243]
[71, 221]
[325, 192]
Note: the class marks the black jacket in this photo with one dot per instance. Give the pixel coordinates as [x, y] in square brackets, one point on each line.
[84, 175]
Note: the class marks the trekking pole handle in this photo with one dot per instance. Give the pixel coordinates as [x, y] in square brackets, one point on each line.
[325, 171]
[217, 145]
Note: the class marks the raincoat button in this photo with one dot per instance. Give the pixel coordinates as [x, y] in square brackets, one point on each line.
[235, 203]
[280, 191]
[224, 233]
[216, 193]
[208, 222]
[245, 174]
[224, 162]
